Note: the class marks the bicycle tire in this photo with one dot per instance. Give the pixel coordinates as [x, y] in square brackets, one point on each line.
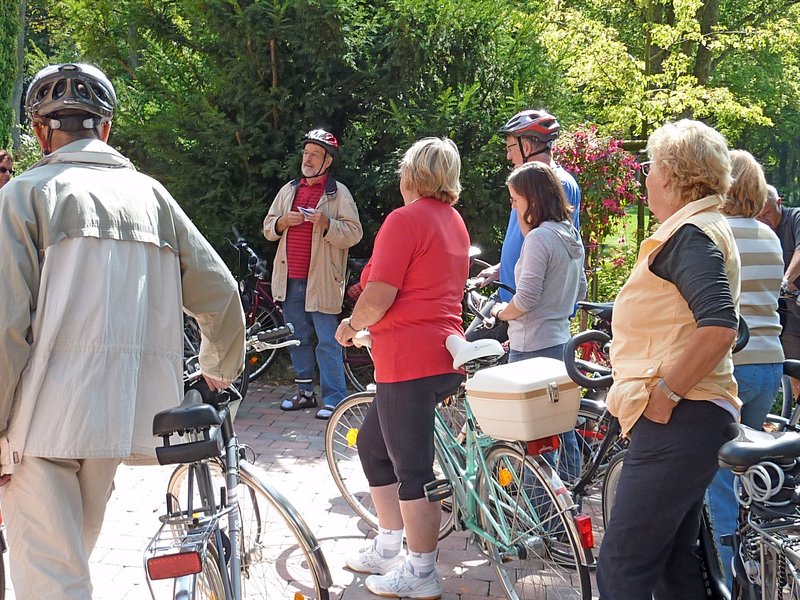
[341, 452]
[269, 315]
[358, 367]
[610, 482]
[206, 585]
[541, 556]
[280, 558]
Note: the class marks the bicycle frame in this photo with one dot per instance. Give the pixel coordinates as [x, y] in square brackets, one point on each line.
[467, 503]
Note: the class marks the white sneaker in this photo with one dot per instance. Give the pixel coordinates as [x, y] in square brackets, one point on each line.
[402, 583]
[369, 560]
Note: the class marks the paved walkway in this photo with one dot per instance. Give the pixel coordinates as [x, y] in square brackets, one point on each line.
[290, 446]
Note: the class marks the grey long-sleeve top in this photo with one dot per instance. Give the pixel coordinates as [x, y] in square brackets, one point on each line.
[550, 279]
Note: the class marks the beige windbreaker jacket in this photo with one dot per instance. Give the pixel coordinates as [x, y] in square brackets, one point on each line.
[326, 271]
[97, 261]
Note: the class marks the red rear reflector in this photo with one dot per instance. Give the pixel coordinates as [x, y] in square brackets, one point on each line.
[540, 446]
[584, 525]
[170, 566]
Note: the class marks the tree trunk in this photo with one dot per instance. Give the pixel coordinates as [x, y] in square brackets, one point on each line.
[707, 17]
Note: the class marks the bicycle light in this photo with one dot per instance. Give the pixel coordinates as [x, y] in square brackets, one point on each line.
[584, 525]
[170, 566]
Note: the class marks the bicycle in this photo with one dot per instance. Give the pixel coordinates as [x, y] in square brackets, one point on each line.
[503, 492]
[191, 349]
[226, 533]
[597, 430]
[262, 312]
[767, 538]
[358, 367]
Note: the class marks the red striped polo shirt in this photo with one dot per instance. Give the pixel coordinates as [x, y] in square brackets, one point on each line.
[298, 238]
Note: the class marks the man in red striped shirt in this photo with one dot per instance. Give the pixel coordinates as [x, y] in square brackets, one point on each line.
[315, 221]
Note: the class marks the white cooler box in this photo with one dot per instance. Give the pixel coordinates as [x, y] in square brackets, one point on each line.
[525, 400]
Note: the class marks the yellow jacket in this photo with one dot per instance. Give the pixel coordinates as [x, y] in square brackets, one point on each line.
[652, 321]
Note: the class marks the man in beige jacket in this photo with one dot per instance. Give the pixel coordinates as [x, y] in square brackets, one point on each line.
[315, 221]
[98, 262]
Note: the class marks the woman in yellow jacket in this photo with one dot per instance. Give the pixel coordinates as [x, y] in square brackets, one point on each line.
[674, 393]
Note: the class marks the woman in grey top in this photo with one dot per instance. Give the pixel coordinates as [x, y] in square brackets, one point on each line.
[549, 273]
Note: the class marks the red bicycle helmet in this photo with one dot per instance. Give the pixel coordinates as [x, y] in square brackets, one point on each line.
[322, 138]
[537, 124]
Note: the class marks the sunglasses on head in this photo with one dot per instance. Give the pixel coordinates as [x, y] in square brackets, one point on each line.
[3, 170]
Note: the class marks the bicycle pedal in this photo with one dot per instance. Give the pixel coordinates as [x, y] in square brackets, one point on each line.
[438, 489]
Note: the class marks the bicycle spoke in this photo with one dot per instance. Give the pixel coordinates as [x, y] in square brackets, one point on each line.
[534, 549]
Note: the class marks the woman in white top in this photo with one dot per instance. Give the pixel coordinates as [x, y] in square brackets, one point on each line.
[759, 365]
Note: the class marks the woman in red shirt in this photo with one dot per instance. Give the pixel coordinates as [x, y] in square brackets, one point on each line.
[411, 302]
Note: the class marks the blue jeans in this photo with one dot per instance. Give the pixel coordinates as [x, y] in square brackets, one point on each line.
[758, 385]
[328, 350]
[569, 456]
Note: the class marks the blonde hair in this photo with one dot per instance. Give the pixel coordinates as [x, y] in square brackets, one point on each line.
[749, 190]
[694, 157]
[432, 167]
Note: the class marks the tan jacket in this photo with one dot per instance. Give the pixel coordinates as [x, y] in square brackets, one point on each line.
[326, 271]
[652, 322]
[97, 262]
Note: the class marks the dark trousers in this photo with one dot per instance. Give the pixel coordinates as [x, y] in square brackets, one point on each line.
[650, 546]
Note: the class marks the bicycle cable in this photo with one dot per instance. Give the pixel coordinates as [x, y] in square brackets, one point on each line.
[760, 486]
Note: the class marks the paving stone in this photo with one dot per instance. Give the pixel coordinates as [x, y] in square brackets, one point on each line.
[289, 449]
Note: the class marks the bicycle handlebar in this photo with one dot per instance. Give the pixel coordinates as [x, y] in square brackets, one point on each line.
[255, 263]
[576, 366]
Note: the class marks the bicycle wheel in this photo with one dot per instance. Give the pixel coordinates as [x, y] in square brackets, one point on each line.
[610, 483]
[208, 583]
[535, 549]
[358, 367]
[279, 558]
[269, 316]
[341, 452]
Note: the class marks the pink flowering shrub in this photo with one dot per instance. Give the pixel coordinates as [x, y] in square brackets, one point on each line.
[607, 176]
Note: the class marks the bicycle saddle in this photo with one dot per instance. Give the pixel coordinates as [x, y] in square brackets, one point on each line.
[463, 351]
[603, 310]
[751, 447]
[192, 414]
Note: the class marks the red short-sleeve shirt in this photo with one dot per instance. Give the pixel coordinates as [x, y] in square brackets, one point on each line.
[422, 249]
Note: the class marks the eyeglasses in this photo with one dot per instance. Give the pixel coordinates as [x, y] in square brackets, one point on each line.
[645, 167]
[3, 171]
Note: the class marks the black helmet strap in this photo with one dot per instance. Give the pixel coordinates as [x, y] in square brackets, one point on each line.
[70, 123]
[323, 169]
[74, 122]
[525, 157]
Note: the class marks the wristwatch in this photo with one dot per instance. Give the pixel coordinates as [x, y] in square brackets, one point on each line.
[668, 392]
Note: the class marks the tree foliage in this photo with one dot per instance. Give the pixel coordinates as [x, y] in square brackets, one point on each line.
[9, 29]
[215, 95]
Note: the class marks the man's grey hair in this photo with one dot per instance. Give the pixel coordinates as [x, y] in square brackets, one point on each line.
[772, 194]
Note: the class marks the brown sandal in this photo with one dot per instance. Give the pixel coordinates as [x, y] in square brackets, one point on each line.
[302, 400]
